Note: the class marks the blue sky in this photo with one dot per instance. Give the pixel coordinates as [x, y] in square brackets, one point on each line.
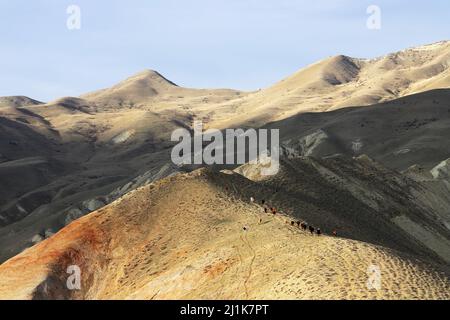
[241, 44]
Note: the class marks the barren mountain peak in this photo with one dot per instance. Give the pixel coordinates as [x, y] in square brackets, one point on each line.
[150, 74]
[90, 182]
[17, 101]
[137, 88]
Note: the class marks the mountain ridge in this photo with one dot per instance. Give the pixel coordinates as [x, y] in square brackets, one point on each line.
[145, 247]
[372, 131]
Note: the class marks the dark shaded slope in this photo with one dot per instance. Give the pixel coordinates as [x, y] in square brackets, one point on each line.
[407, 131]
[360, 199]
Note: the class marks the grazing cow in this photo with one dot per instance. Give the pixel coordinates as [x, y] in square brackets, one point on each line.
[252, 199]
[292, 223]
[304, 225]
[311, 229]
[298, 224]
[265, 210]
[335, 233]
[319, 232]
[263, 201]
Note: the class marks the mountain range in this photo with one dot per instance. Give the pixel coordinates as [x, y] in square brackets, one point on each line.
[88, 180]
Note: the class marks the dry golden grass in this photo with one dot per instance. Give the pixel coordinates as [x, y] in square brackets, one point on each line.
[183, 238]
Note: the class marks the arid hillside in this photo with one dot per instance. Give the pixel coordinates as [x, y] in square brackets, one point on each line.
[198, 235]
[63, 159]
[413, 130]
[343, 81]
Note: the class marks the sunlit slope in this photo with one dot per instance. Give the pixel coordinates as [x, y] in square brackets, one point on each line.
[183, 237]
[343, 81]
[62, 159]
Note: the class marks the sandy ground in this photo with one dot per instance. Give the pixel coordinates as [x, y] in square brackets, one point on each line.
[184, 238]
[59, 160]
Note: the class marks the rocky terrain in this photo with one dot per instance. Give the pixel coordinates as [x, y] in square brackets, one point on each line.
[364, 152]
[198, 236]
